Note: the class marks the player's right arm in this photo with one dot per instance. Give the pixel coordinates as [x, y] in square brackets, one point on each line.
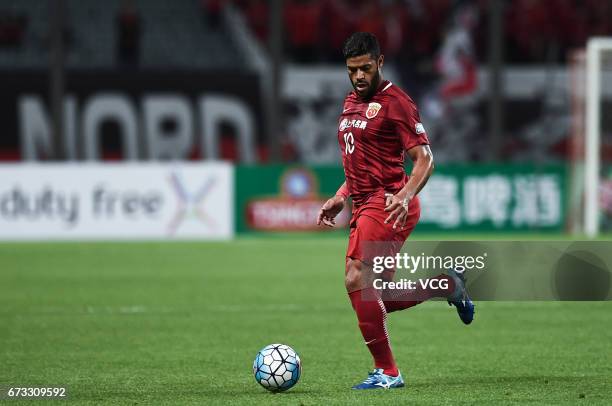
[333, 206]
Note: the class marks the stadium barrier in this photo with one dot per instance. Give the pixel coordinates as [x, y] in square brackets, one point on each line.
[216, 200]
[482, 198]
[116, 201]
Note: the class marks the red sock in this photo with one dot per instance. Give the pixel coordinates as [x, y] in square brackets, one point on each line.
[400, 299]
[394, 305]
[372, 317]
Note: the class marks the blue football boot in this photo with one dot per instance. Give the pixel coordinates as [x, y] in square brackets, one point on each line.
[378, 380]
[460, 299]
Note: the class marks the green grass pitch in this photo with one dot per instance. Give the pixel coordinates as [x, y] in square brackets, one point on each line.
[180, 323]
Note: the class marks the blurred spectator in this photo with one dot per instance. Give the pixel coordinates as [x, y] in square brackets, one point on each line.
[302, 20]
[339, 22]
[427, 20]
[395, 19]
[456, 62]
[536, 31]
[128, 34]
[449, 110]
[371, 19]
[539, 31]
[530, 28]
[600, 23]
[212, 10]
[257, 14]
[12, 29]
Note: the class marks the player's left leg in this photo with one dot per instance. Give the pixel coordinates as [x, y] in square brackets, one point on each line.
[371, 316]
[371, 312]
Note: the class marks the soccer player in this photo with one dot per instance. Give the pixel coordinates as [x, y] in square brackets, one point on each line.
[378, 127]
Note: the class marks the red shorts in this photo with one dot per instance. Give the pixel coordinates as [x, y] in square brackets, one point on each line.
[370, 236]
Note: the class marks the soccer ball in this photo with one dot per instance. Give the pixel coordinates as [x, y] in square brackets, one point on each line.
[277, 367]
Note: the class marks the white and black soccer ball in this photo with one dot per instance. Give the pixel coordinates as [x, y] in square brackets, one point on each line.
[277, 367]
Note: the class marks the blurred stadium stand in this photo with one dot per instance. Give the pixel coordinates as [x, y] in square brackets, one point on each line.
[535, 31]
[440, 51]
[190, 33]
[173, 35]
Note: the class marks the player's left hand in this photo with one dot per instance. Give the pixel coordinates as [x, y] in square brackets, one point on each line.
[398, 206]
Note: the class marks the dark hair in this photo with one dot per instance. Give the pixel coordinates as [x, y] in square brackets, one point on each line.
[361, 43]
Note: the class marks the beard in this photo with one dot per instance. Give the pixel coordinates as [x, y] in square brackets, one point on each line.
[372, 86]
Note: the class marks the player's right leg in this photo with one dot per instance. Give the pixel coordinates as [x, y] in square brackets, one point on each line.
[395, 300]
[455, 293]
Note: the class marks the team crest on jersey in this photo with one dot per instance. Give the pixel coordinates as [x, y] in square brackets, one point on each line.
[373, 109]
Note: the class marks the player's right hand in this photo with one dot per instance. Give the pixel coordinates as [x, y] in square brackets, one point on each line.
[329, 211]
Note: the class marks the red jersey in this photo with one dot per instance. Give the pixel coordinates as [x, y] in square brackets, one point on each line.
[374, 135]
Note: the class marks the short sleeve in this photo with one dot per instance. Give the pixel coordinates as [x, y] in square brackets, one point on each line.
[405, 117]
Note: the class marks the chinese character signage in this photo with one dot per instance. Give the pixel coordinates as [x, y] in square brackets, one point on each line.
[463, 198]
[494, 198]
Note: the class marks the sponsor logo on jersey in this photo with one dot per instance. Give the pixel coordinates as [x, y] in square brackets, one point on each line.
[418, 127]
[373, 109]
[343, 124]
[346, 123]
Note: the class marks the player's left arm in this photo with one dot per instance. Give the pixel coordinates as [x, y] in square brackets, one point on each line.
[422, 168]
